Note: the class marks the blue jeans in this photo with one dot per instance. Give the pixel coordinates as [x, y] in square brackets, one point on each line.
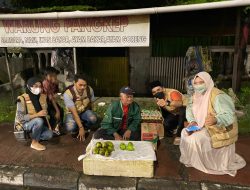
[88, 117]
[38, 130]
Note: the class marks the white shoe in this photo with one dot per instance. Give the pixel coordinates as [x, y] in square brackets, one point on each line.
[38, 147]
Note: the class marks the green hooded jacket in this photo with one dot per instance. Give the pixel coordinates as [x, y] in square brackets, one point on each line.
[112, 120]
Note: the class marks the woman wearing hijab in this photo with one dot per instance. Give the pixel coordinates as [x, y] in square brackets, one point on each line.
[210, 149]
[31, 114]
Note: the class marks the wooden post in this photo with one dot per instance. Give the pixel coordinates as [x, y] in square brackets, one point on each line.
[237, 53]
[75, 61]
[9, 74]
[47, 59]
[39, 60]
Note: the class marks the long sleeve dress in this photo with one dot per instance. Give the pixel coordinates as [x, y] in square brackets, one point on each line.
[196, 149]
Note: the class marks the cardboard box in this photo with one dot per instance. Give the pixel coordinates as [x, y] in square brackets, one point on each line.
[152, 131]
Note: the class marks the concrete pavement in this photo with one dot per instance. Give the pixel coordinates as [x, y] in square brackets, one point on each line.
[58, 168]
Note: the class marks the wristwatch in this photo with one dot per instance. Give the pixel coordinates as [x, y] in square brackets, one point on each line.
[168, 103]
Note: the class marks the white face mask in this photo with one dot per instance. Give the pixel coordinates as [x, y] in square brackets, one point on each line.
[35, 91]
[200, 88]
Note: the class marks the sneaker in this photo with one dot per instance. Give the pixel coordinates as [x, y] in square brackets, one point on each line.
[37, 146]
[177, 141]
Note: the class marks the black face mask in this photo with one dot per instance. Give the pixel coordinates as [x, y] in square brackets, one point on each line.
[159, 95]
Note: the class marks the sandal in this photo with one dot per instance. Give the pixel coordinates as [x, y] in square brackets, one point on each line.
[56, 131]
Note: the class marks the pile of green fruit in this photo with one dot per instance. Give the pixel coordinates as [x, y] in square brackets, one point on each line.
[129, 147]
[103, 148]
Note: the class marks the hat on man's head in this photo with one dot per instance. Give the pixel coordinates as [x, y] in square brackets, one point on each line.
[127, 90]
[155, 84]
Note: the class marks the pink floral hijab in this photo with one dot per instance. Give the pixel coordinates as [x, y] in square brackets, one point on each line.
[200, 101]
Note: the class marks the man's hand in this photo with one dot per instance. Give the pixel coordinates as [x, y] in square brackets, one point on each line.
[81, 134]
[126, 135]
[210, 120]
[161, 102]
[42, 113]
[117, 136]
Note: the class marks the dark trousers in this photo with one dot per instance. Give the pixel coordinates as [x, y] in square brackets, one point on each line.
[52, 112]
[102, 134]
[174, 122]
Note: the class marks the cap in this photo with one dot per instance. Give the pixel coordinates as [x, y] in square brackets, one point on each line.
[127, 90]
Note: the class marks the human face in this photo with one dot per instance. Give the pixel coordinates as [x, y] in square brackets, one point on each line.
[126, 99]
[80, 85]
[198, 80]
[157, 89]
[52, 78]
[36, 88]
[37, 85]
[199, 86]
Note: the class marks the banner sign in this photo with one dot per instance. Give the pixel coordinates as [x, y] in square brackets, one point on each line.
[120, 31]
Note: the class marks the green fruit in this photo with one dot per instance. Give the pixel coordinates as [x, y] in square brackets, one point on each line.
[110, 148]
[122, 146]
[104, 145]
[110, 143]
[130, 148]
[130, 144]
[98, 145]
[107, 153]
[102, 151]
[96, 150]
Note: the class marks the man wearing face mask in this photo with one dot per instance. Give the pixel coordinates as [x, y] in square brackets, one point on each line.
[31, 114]
[171, 103]
[122, 119]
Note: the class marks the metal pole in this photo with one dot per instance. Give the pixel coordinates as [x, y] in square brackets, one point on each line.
[75, 62]
[237, 49]
[10, 78]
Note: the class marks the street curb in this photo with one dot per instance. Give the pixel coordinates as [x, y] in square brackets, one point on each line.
[71, 180]
[106, 182]
[51, 178]
[216, 186]
[163, 184]
[12, 175]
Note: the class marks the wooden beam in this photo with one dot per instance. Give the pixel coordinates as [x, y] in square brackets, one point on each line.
[215, 49]
[237, 52]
